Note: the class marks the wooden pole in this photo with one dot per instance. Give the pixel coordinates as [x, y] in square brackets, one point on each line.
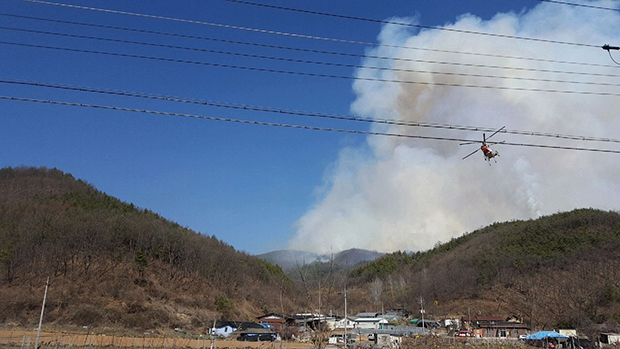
[36, 344]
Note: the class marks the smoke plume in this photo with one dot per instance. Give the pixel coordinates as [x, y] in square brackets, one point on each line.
[398, 194]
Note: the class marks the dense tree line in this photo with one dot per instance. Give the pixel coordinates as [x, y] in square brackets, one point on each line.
[559, 270]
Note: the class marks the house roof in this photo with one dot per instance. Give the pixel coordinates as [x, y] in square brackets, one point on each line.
[483, 318]
[237, 324]
[367, 315]
[504, 324]
[545, 334]
[255, 331]
[371, 319]
[249, 325]
[224, 323]
[270, 316]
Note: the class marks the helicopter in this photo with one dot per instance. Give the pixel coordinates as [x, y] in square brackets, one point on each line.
[486, 148]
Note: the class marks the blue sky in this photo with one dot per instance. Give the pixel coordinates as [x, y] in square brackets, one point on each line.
[245, 184]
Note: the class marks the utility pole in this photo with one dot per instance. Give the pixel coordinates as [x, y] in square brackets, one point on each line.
[36, 344]
[345, 316]
[422, 311]
[212, 335]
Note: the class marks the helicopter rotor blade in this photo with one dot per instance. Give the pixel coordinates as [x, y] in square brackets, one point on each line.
[484, 138]
[496, 132]
[470, 154]
[467, 143]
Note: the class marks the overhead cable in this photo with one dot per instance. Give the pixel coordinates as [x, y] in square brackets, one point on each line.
[580, 5]
[277, 32]
[320, 75]
[248, 107]
[461, 31]
[304, 127]
[346, 54]
[354, 66]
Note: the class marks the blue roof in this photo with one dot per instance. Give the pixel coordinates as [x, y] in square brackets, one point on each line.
[545, 334]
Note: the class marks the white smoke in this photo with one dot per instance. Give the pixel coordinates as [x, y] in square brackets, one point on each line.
[399, 194]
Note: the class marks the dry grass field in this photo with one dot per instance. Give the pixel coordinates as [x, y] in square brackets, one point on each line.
[57, 340]
[19, 338]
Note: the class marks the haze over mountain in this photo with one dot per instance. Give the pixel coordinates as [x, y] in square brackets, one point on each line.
[290, 259]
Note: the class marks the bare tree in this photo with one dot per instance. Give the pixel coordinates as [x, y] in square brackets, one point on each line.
[375, 292]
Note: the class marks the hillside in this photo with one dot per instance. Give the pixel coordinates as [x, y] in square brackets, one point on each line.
[113, 264]
[561, 270]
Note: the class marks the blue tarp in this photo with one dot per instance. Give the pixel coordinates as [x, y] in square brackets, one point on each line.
[544, 334]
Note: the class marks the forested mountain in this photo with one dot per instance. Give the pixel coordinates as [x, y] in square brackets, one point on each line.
[561, 270]
[115, 265]
[111, 263]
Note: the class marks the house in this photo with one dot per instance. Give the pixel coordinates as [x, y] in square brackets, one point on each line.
[306, 321]
[568, 332]
[347, 322]
[256, 334]
[451, 323]
[223, 328]
[495, 326]
[477, 320]
[370, 322]
[275, 321]
[367, 315]
[501, 329]
[387, 341]
[393, 315]
[610, 338]
[339, 338]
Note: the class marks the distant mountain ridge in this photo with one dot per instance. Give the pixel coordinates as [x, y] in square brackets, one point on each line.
[290, 259]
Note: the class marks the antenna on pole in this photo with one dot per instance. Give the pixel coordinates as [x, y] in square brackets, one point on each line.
[47, 283]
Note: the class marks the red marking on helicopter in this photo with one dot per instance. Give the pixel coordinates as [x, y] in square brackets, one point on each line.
[486, 148]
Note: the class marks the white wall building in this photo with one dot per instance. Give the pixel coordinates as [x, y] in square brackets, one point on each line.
[348, 322]
[373, 323]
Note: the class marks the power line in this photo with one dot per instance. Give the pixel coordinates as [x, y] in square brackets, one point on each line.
[320, 75]
[354, 66]
[461, 31]
[316, 51]
[272, 31]
[580, 5]
[304, 127]
[247, 107]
